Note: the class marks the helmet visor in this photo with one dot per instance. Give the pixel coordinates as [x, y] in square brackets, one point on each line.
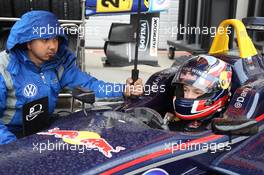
[196, 78]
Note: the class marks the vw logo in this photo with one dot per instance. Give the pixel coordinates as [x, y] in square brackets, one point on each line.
[30, 90]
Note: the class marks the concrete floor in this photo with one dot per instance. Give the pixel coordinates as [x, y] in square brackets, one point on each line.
[94, 65]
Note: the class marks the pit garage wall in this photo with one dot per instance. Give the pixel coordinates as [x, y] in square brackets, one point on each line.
[168, 24]
[242, 9]
[97, 27]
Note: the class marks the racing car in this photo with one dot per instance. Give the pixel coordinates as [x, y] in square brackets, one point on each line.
[136, 138]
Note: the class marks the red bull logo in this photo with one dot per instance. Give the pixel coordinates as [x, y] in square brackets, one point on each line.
[91, 140]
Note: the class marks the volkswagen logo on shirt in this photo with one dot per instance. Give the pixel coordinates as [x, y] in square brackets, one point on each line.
[30, 90]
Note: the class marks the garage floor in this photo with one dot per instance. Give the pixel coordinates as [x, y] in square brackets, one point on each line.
[94, 65]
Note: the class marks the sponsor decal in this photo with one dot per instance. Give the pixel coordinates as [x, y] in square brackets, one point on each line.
[30, 90]
[146, 3]
[199, 107]
[225, 79]
[91, 140]
[156, 171]
[144, 35]
[113, 5]
[154, 37]
[240, 100]
[34, 111]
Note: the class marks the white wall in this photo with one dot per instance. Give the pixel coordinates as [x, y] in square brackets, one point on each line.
[168, 24]
[97, 27]
[242, 7]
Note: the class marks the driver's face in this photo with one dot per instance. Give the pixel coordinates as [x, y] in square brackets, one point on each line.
[191, 92]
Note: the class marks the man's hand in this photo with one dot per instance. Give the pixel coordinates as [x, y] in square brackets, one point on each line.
[133, 89]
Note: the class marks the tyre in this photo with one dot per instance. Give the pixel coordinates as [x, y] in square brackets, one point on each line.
[21, 7]
[7, 24]
[171, 53]
[6, 9]
[72, 42]
[40, 5]
[67, 9]
[75, 9]
[3, 38]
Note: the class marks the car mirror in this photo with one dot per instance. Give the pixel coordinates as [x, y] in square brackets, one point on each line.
[84, 95]
[242, 127]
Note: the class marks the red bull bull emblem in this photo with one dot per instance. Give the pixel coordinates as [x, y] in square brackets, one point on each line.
[91, 140]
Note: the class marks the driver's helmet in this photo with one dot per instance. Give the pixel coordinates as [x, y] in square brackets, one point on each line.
[209, 74]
